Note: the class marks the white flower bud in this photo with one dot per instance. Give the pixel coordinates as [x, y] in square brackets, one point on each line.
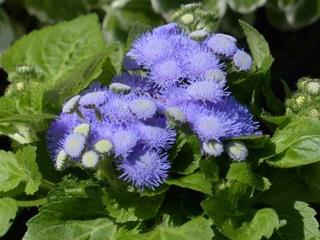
[212, 148]
[237, 150]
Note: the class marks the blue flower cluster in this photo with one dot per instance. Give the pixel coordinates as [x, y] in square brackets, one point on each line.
[169, 77]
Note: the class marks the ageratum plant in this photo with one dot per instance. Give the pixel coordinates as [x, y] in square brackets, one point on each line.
[177, 136]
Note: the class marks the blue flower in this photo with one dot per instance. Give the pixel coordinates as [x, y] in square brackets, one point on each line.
[140, 84]
[167, 73]
[71, 104]
[206, 91]
[124, 141]
[242, 60]
[199, 61]
[155, 136]
[145, 168]
[59, 129]
[222, 44]
[143, 108]
[216, 75]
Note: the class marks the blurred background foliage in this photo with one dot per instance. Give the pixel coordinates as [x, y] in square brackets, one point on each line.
[290, 26]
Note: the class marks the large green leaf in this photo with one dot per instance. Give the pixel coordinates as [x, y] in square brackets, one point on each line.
[258, 46]
[296, 143]
[52, 11]
[243, 173]
[19, 168]
[69, 56]
[245, 6]
[96, 229]
[8, 209]
[197, 228]
[300, 222]
[75, 210]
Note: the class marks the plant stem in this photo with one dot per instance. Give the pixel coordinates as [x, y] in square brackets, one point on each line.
[47, 184]
[32, 203]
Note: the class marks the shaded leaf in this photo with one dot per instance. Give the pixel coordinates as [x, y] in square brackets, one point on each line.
[8, 209]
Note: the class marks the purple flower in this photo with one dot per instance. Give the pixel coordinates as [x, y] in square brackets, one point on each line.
[222, 44]
[140, 85]
[143, 108]
[242, 60]
[167, 73]
[71, 104]
[124, 141]
[199, 61]
[144, 168]
[170, 28]
[206, 91]
[149, 48]
[155, 136]
[59, 129]
[216, 75]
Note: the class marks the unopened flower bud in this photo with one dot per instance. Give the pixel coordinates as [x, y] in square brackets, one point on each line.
[71, 105]
[119, 88]
[61, 160]
[83, 129]
[213, 148]
[90, 159]
[199, 34]
[237, 150]
[176, 114]
[103, 146]
[187, 18]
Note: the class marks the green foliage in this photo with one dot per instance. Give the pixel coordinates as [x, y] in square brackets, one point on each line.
[266, 197]
[197, 228]
[242, 172]
[296, 143]
[69, 55]
[8, 209]
[19, 168]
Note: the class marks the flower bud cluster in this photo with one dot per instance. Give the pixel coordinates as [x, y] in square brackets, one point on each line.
[169, 77]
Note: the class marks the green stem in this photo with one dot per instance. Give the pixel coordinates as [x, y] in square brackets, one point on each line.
[32, 203]
[47, 184]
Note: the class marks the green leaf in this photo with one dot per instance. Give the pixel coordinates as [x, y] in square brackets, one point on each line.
[137, 209]
[96, 229]
[197, 228]
[258, 46]
[263, 224]
[229, 208]
[19, 168]
[187, 154]
[8, 209]
[197, 182]
[53, 11]
[69, 56]
[300, 222]
[245, 6]
[243, 173]
[75, 210]
[296, 143]
[279, 195]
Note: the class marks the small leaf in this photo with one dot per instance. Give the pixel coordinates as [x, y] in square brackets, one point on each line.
[22, 167]
[243, 173]
[197, 228]
[197, 182]
[8, 209]
[258, 47]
